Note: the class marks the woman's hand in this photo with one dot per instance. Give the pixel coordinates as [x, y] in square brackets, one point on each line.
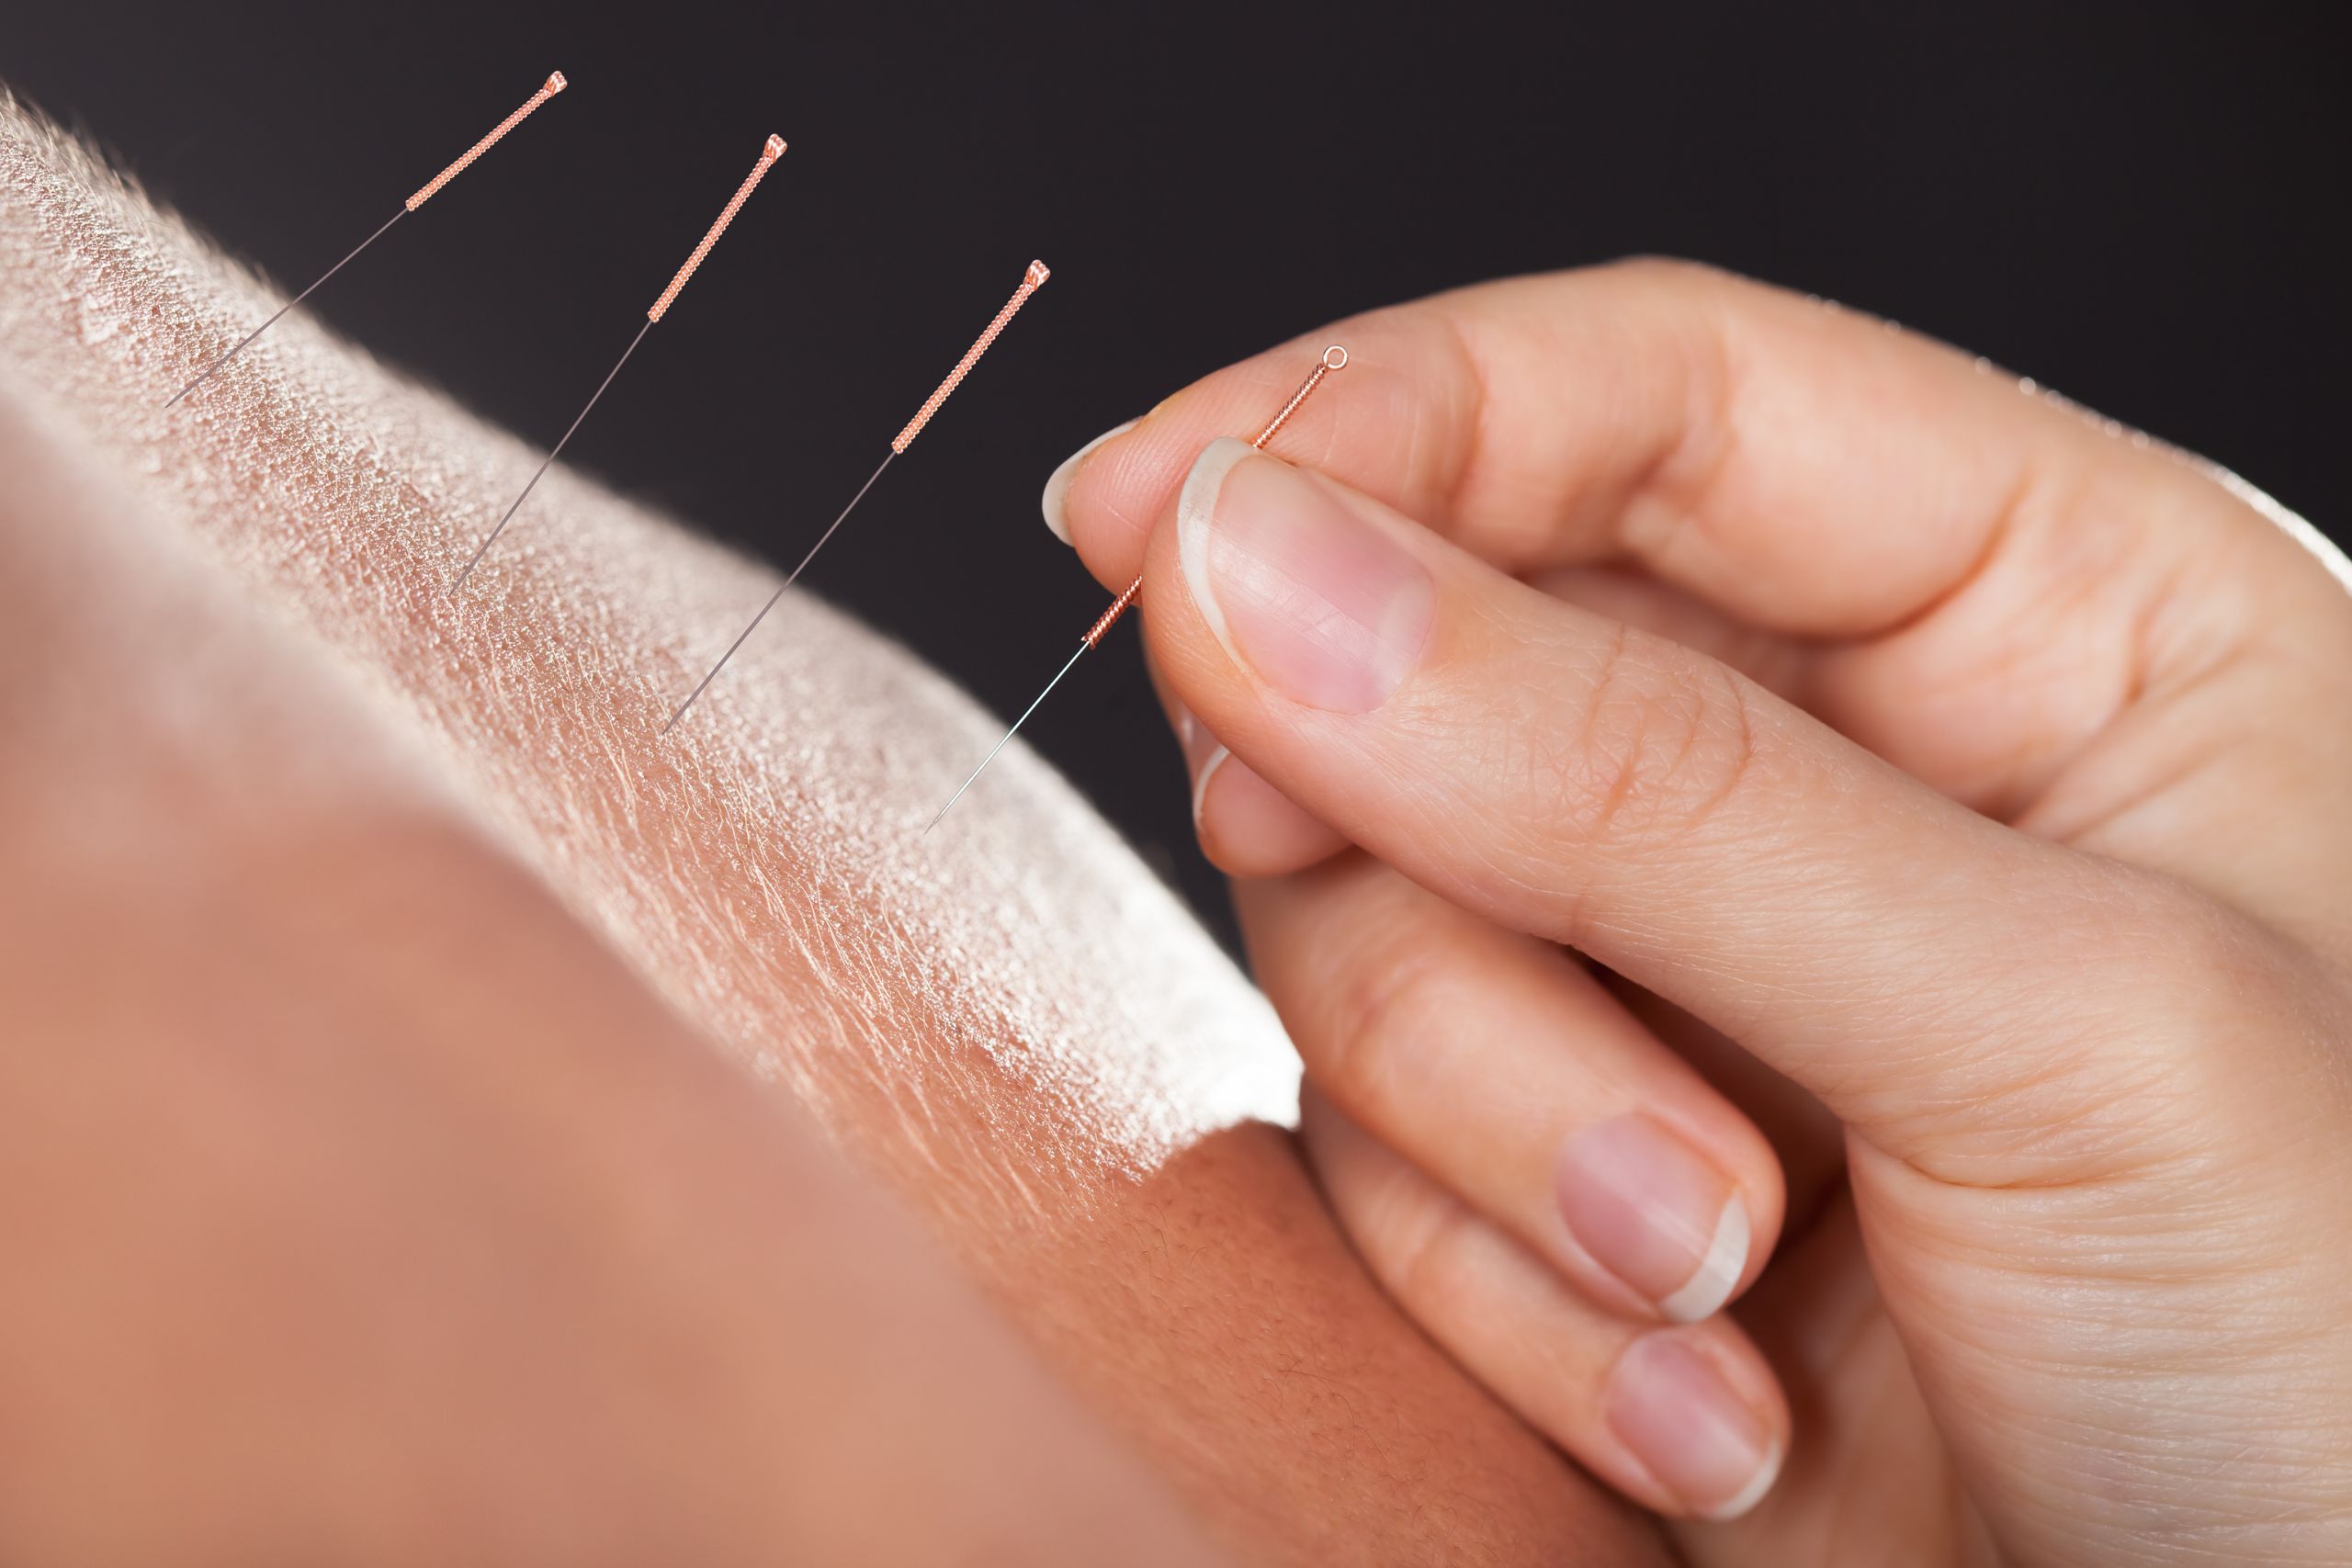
[1954, 789]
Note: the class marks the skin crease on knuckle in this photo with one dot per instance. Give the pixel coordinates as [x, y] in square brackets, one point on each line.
[1662, 743]
[1012, 1024]
[1667, 742]
[1390, 1000]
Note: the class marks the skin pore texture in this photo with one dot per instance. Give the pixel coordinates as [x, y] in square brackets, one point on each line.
[1013, 1028]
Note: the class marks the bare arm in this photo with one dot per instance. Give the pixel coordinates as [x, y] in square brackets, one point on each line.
[1012, 1027]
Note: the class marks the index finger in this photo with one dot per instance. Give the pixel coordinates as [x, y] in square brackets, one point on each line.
[1808, 468]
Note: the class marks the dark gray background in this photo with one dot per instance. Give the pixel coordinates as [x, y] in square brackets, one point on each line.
[2139, 204]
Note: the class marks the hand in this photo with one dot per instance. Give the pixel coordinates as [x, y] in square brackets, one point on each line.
[1948, 791]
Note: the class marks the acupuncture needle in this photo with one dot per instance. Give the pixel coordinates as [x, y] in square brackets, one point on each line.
[555, 84]
[1033, 280]
[1334, 359]
[769, 154]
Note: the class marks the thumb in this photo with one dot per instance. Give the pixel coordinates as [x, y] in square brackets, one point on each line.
[1565, 775]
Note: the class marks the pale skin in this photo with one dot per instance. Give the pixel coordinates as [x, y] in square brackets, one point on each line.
[380, 1138]
[442, 1119]
[1733, 799]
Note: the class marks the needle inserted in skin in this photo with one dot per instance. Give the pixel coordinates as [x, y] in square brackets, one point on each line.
[740, 638]
[1009, 734]
[1334, 359]
[555, 84]
[537, 474]
[1030, 281]
[769, 154]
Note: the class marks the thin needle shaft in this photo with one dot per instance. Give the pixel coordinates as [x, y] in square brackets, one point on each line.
[1009, 734]
[550, 457]
[704, 684]
[548, 89]
[1030, 281]
[206, 372]
[770, 151]
[1334, 359]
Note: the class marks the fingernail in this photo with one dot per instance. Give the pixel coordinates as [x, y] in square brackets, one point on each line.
[1322, 603]
[1203, 754]
[1057, 483]
[1218, 758]
[1655, 1212]
[1248, 827]
[1676, 1414]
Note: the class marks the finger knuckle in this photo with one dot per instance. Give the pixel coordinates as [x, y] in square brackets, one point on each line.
[1426, 1263]
[1658, 747]
[1388, 1016]
[1406, 1226]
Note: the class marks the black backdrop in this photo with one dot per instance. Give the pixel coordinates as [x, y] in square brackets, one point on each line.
[2140, 204]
